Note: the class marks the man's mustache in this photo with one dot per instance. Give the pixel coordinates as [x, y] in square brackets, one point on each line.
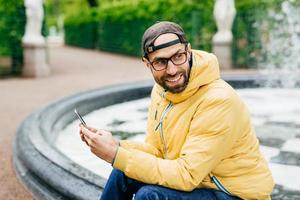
[172, 76]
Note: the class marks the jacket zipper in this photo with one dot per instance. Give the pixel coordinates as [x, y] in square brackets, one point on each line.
[218, 184]
[160, 127]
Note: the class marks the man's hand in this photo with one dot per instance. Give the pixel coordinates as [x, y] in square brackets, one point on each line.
[101, 142]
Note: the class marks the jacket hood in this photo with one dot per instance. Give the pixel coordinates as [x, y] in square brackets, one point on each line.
[205, 69]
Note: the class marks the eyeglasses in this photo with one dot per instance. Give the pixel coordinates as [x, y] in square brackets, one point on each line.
[162, 63]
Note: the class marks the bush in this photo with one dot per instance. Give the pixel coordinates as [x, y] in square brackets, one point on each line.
[121, 24]
[118, 26]
[82, 32]
[126, 22]
[12, 26]
[12, 23]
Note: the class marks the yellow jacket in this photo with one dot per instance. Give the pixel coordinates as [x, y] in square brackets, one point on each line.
[199, 138]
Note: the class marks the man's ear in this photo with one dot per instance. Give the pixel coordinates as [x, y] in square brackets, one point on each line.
[189, 47]
[146, 62]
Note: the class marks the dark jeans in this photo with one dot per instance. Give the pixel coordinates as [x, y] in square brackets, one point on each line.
[120, 187]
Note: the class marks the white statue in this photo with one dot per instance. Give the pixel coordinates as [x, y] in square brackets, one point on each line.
[224, 13]
[34, 21]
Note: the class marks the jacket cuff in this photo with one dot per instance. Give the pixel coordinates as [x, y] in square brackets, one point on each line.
[121, 159]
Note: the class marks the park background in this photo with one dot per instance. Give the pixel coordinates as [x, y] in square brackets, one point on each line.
[117, 26]
[100, 36]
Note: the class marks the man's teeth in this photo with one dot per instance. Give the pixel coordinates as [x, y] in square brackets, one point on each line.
[174, 79]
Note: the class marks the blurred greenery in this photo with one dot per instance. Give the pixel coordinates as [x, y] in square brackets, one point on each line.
[12, 22]
[247, 44]
[56, 8]
[127, 20]
[117, 26]
[82, 31]
[12, 28]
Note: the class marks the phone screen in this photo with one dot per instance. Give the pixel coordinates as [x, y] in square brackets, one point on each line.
[79, 117]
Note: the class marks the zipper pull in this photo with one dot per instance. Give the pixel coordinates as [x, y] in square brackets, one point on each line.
[155, 116]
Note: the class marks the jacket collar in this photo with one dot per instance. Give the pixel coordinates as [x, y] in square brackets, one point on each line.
[204, 70]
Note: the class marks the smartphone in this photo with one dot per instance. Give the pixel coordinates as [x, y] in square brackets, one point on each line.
[79, 117]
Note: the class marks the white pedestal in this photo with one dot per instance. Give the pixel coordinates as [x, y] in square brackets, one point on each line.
[223, 52]
[35, 60]
[55, 41]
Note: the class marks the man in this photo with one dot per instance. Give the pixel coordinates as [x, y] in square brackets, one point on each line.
[200, 143]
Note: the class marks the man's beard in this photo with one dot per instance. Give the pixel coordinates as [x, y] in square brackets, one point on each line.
[177, 88]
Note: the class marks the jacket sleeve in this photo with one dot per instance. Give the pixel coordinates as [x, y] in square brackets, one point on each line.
[209, 139]
[147, 146]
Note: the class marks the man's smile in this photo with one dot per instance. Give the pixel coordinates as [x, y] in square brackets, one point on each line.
[174, 80]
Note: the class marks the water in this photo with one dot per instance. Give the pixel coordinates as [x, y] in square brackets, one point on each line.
[275, 114]
[281, 46]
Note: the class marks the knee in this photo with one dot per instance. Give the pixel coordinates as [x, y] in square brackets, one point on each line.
[148, 192]
[116, 179]
[116, 175]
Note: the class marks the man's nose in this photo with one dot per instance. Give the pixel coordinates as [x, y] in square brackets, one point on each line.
[171, 68]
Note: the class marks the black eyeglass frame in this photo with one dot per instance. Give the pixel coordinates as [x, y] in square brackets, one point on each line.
[170, 59]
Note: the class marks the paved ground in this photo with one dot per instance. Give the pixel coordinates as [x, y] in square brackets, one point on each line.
[73, 70]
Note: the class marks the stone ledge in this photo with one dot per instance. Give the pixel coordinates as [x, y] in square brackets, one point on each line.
[46, 172]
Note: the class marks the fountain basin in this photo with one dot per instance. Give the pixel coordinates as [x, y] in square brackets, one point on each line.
[49, 174]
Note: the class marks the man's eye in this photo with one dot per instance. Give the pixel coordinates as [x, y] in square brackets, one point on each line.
[178, 56]
[160, 62]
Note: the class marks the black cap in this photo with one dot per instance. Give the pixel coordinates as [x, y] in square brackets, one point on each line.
[158, 29]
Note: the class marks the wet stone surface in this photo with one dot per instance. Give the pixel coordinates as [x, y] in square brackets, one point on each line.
[297, 136]
[279, 193]
[271, 142]
[116, 123]
[122, 135]
[287, 158]
[272, 131]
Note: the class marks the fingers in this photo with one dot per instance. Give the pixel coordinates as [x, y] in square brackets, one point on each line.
[92, 129]
[82, 137]
[86, 132]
